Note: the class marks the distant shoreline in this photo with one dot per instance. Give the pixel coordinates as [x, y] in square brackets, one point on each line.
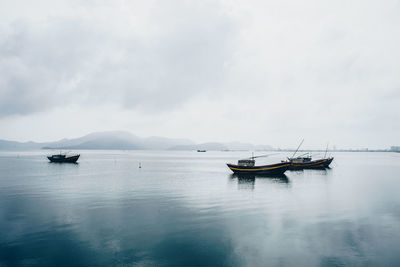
[120, 140]
[193, 150]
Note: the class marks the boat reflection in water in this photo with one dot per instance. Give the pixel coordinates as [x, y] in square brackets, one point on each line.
[280, 178]
[247, 181]
[244, 182]
[319, 170]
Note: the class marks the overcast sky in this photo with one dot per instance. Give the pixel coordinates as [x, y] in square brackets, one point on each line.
[266, 72]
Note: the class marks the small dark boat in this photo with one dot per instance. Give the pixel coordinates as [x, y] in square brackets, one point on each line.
[201, 150]
[305, 161]
[247, 166]
[311, 164]
[63, 158]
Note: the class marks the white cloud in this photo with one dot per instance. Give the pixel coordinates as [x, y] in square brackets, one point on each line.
[262, 71]
[103, 55]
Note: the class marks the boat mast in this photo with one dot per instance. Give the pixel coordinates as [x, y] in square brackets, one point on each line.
[326, 150]
[298, 148]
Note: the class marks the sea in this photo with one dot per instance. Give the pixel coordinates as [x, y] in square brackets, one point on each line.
[184, 208]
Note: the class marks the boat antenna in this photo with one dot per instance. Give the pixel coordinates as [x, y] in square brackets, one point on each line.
[307, 153]
[326, 150]
[298, 148]
[263, 156]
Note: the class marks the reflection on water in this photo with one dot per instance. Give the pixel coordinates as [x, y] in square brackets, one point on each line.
[324, 171]
[280, 177]
[182, 209]
[248, 181]
[63, 163]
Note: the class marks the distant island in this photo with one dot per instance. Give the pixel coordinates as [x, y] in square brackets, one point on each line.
[395, 148]
[120, 140]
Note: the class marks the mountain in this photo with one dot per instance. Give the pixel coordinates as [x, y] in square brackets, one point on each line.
[13, 145]
[126, 141]
[99, 140]
[118, 140]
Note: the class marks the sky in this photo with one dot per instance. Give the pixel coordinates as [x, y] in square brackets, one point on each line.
[264, 72]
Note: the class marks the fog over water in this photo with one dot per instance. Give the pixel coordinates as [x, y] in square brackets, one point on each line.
[266, 72]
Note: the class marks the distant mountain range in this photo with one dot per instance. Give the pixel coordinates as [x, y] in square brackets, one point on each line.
[126, 141]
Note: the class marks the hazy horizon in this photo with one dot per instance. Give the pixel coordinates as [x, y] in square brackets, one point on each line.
[262, 72]
[194, 144]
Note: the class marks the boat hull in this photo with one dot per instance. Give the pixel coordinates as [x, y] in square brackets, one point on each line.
[72, 159]
[278, 168]
[314, 164]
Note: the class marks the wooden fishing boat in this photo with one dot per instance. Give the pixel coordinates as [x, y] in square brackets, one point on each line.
[63, 158]
[312, 164]
[247, 166]
[305, 161]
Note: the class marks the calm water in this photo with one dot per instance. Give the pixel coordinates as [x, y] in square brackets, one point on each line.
[186, 209]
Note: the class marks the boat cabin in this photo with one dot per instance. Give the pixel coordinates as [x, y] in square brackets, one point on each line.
[300, 159]
[246, 162]
[59, 156]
